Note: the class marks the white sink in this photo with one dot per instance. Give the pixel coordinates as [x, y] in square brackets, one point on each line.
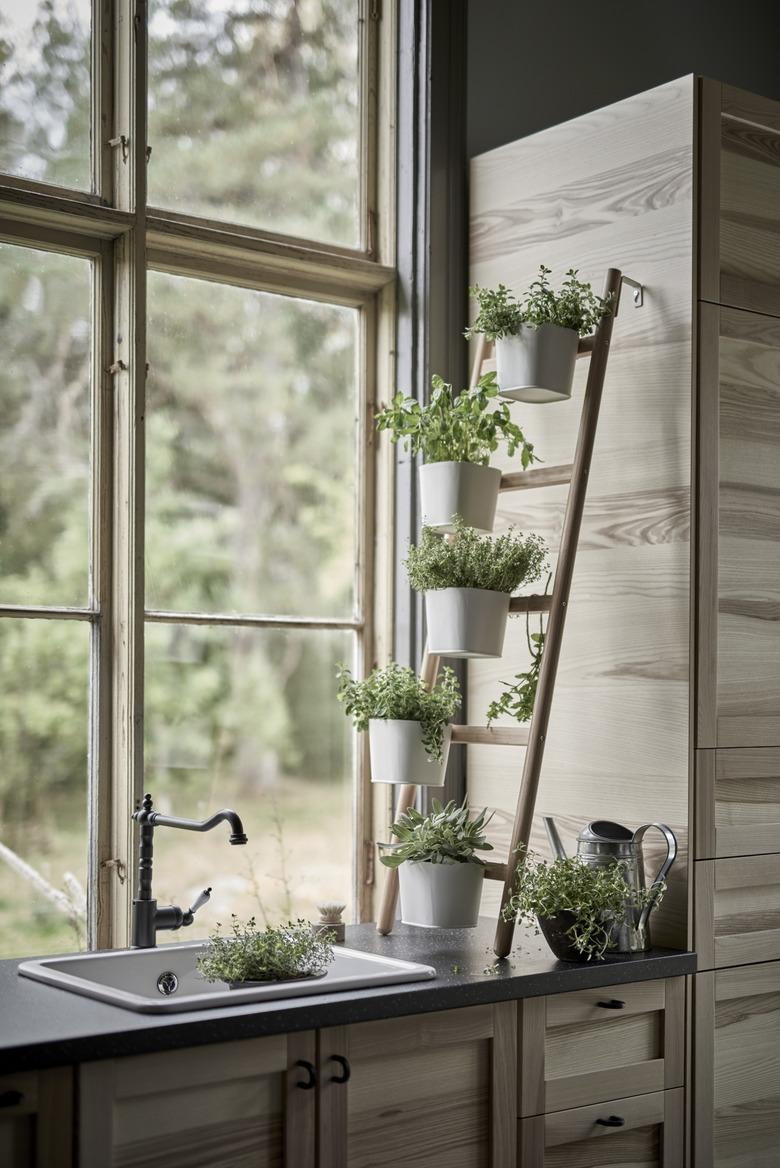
[140, 979]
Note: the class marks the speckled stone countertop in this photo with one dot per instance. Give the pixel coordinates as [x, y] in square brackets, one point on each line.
[42, 1026]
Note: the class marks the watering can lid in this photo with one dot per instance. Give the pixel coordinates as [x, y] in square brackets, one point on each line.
[604, 831]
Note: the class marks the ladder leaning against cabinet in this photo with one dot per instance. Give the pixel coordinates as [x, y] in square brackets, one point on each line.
[534, 735]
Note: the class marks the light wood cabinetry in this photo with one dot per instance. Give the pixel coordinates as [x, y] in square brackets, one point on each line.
[645, 1131]
[430, 1091]
[737, 802]
[36, 1119]
[737, 910]
[594, 1045]
[230, 1105]
[737, 1087]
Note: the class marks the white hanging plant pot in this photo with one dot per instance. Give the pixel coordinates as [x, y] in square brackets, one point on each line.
[466, 622]
[398, 754]
[440, 896]
[458, 488]
[537, 365]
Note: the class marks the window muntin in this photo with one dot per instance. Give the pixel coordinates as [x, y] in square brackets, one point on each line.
[254, 114]
[247, 718]
[251, 451]
[45, 83]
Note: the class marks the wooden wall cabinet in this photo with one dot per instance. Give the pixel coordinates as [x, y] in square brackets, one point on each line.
[36, 1119]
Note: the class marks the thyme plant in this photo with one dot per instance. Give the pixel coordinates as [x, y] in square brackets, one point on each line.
[396, 692]
[470, 560]
[575, 306]
[454, 427]
[271, 954]
[448, 835]
[597, 899]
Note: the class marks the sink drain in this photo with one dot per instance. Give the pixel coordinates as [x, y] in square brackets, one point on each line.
[167, 983]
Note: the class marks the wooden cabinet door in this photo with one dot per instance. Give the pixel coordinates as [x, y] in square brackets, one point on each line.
[737, 910]
[429, 1091]
[739, 529]
[231, 1105]
[36, 1119]
[737, 802]
[645, 1131]
[736, 1104]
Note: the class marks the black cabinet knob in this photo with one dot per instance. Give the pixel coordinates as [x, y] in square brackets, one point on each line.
[612, 1121]
[311, 1082]
[612, 1004]
[346, 1070]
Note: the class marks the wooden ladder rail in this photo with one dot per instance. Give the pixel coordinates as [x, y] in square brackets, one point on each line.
[537, 736]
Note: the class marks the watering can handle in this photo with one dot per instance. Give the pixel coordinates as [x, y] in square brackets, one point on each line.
[671, 853]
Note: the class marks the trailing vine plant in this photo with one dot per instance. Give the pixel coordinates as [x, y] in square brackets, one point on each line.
[520, 695]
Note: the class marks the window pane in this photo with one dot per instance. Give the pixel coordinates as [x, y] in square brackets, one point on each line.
[45, 90]
[253, 113]
[248, 719]
[251, 451]
[43, 785]
[44, 427]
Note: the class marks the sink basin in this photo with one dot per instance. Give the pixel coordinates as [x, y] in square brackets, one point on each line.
[166, 980]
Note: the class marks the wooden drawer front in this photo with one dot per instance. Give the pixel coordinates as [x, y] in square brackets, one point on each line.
[737, 911]
[597, 1044]
[737, 802]
[737, 1073]
[651, 1135]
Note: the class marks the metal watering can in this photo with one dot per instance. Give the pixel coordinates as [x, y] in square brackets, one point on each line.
[600, 844]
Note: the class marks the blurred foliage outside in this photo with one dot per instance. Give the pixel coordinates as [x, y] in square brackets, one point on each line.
[250, 489]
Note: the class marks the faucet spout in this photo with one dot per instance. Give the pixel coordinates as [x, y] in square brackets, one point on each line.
[226, 815]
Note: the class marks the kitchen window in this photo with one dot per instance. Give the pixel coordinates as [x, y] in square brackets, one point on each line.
[196, 248]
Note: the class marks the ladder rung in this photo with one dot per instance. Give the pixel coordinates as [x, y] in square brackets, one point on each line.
[491, 736]
[535, 603]
[541, 476]
[494, 870]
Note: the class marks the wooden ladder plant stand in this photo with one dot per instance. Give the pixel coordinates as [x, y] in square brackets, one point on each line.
[534, 735]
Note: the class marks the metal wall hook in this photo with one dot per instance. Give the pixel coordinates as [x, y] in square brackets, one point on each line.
[639, 291]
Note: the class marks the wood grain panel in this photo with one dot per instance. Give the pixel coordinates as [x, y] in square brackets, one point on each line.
[574, 1137]
[611, 188]
[750, 210]
[748, 681]
[738, 802]
[37, 1132]
[743, 924]
[747, 1067]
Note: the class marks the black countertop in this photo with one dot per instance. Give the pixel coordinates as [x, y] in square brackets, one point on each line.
[42, 1026]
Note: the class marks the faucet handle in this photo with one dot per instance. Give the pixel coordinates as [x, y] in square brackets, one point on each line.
[201, 899]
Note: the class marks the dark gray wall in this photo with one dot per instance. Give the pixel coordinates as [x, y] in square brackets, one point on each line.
[535, 64]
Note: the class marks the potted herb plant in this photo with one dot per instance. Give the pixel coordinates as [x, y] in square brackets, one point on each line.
[537, 336]
[440, 873]
[468, 581]
[407, 723]
[251, 956]
[577, 907]
[456, 434]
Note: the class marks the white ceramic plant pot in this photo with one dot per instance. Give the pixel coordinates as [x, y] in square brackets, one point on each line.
[537, 365]
[466, 622]
[440, 896]
[458, 488]
[398, 754]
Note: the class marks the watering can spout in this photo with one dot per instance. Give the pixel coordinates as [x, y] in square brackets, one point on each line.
[552, 835]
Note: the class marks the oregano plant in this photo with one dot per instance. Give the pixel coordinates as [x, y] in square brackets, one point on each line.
[574, 306]
[456, 427]
[396, 692]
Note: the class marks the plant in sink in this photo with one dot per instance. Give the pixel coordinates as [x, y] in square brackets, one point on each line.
[577, 907]
[440, 873]
[251, 956]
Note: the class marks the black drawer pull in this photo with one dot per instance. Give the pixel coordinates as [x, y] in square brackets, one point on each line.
[612, 1004]
[10, 1098]
[612, 1121]
[346, 1069]
[311, 1082]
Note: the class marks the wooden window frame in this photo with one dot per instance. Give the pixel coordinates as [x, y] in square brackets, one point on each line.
[112, 225]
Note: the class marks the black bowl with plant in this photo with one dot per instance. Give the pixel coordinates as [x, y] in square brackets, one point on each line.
[576, 906]
[251, 956]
